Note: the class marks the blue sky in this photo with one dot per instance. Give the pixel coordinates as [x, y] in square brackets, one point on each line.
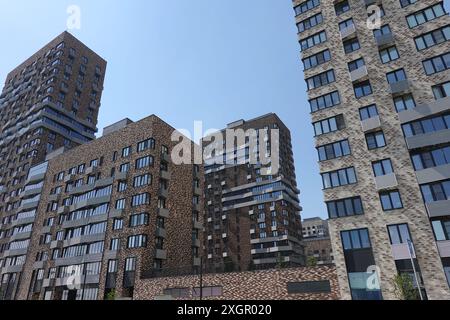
[209, 60]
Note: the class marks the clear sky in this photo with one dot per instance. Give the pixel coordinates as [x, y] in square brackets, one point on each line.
[209, 60]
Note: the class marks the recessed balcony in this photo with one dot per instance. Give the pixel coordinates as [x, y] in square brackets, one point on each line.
[433, 174]
[428, 139]
[424, 110]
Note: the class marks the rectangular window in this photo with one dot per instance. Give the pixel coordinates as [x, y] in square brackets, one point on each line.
[341, 7]
[334, 150]
[141, 181]
[405, 3]
[441, 229]
[368, 112]
[425, 15]
[144, 162]
[138, 241]
[437, 156]
[356, 64]
[432, 38]
[124, 167]
[130, 264]
[441, 90]
[309, 23]
[320, 79]
[437, 191]
[346, 24]
[313, 40]
[120, 204]
[396, 76]
[405, 102]
[382, 167]
[355, 239]
[147, 144]
[362, 89]
[326, 101]
[306, 6]
[399, 234]
[382, 31]
[345, 207]
[140, 199]
[391, 200]
[351, 45]
[139, 220]
[126, 152]
[115, 244]
[430, 125]
[375, 140]
[389, 54]
[329, 125]
[316, 59]
[437, 64]
[117, 224]
[339, 178]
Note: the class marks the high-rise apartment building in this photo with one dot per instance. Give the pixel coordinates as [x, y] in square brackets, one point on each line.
[51, 100]
[252, 211]
[112, 210]
[380, 108]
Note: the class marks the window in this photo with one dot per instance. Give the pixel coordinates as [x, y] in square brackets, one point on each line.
[320, 80]
[405, 3]
[368, 112]
[329, 125]
[437, 156]
[317, 59]
[425, 15]
[124, 167]
[120, 204]
[147, 144]
[362, 89]
[391, 200]
[382, 167]
[122, 186]
[425, 126]
[375, 140]
[351, 45]
[177, 292]
[313, 40]
[437, 191]
[345, 24]
[396, 76]
[382, 31]
[144, 162]
[141, 181]
[115, 244]
[399, 234]
[441, 229]
[345, 207]
[140, 199]
[432, 38]
[339, 178]
[139, 220]
[341, 7]
[309, 23]
[208, 292]
[326, 101]
[355, 239]
[405, 102]
[389, 54]
[130, 264]
[334, 150]
[441, 90]
[356, 64]
[306, 6]
[139, 241]
[117, 224]
[437, 64]
[126, 152]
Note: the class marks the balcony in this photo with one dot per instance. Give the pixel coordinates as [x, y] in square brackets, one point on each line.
[161, 254]
[385, 40]
[197, 262]
[81, 222]
[428, 139]
[91, 170]
[444, 248]
[438, 208]
[358, 74]
[371, 124]
[165, 175]
[20, 236]
[348, 31]
[165, 157]
[163, 213]
[197, 191]
[401, 251]
[386, 182]
[90, 202]
[116, 213]
[198, 225]
[433, 174]
[84, 239]
[121, 176]
[196, 243]
[196, 207]
[400, 87]
[161, 233]
[424, 110]
[164, 193]
[69, 177]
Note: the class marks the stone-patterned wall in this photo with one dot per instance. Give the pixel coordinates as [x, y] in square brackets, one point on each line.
[374, 218]
[256, 285]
